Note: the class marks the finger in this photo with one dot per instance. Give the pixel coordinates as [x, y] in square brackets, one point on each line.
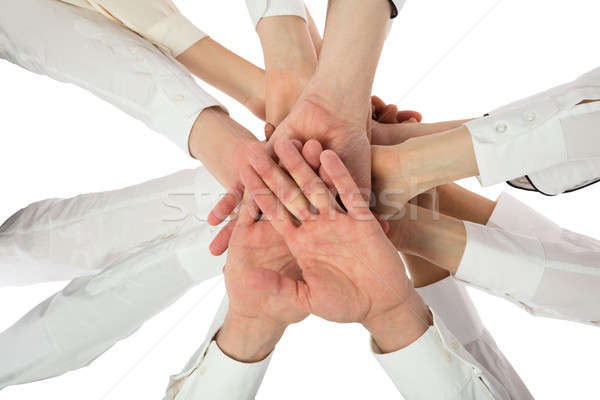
[281, 219]
[224, 208]
[298, 145]
[312, 152]
[281, 184]
[407, 115]
[325, 176]
[346, 187]
[248, 211]
[221, 242]
[389, 114]
[269, 130]
[379, 106]
[282, 288]
[311, 185]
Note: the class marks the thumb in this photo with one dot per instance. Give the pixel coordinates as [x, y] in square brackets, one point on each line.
[262, 280]
[272, 283]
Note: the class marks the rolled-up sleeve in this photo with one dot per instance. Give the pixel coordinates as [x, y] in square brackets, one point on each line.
[159, 21]
[259, 9]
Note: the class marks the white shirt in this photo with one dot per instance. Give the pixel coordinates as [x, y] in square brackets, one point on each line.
[454, 306]
[152, 239]
[439, 365]
[547, 142]
[529, 260]
[136, 250]
[82, 47]
[259, 9]
[160, 21]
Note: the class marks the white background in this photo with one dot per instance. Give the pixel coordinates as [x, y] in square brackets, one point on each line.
[447, 59]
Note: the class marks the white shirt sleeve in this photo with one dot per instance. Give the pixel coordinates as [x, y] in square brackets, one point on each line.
[259, 9]
[76, 325]
[86, 49]
[437, 366]
[529, 260]
[547, 130]
[61, 239]
[211, 374]
[159, 21]
[454, 306]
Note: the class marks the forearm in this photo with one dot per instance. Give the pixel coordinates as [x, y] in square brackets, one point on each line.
[434, 237]
[315, 36]
[216, 137]
[392, 134]
[290, 62]
[248, 340]
[454, 201]
[437, 159]
[225, 70]
[460, 203]
[357, 28]
[285, 40]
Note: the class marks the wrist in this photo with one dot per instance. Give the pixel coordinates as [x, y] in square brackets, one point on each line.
[439, 158]
[249, 340]
[286, 42]
[222, 68]
[356, 28]
[398, 328]
[429, 235]
[216, 137]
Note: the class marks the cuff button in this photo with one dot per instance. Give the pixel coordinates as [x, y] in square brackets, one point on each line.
[530, 116]
[501, 127]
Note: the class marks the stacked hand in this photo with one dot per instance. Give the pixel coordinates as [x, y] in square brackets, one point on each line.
[336, 264]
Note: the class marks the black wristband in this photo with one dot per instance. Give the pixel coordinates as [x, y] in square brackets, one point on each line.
[394, 9]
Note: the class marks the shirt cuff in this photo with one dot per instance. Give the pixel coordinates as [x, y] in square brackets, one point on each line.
[514, 216]
[516, 141]
[220, 377]
[434, 367]
[259, 9]
[175, 33]
[501, 262]
[453, 305]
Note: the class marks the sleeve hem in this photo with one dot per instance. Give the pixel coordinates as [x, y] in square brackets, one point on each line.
[502, 262]
[176, 33]
[454, 306]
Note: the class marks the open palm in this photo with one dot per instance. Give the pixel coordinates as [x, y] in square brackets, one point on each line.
[257, 252]
[351, 272]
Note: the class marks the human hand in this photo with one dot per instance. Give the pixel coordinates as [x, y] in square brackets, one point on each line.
[389, 114]
[351, 272]
[421, 163]
[256, 319]
[290, 62]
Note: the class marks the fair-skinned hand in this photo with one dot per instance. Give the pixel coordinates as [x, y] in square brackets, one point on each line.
[257, 319]
[310, 119]
[351, 271]
[290, 62]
